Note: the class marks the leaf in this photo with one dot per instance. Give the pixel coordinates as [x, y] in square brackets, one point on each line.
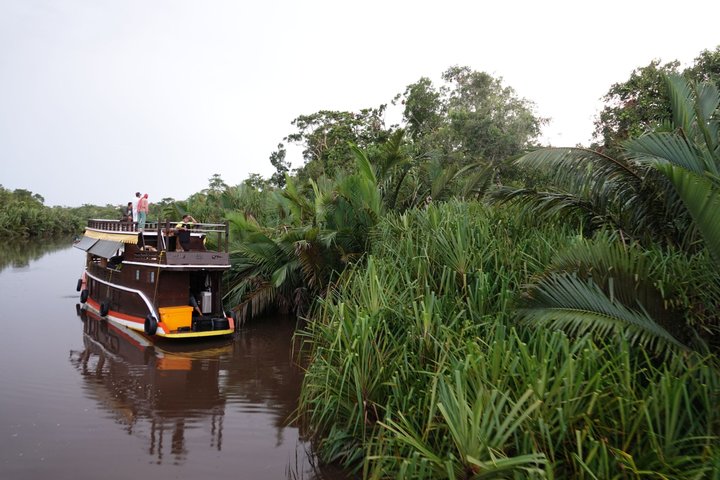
[364, 167]
[564, 301]
[702, 199]
[666, 147]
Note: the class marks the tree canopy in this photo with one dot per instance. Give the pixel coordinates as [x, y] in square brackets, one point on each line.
[641, 103]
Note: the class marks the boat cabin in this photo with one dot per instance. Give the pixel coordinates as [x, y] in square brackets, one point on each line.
[145, 280]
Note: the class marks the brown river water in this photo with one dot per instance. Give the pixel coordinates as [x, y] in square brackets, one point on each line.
[83, 399]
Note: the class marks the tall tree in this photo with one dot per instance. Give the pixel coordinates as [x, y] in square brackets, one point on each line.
[326, 137]
[706, 67]
[642, 103]
[635, 106]
[282, 166]
[472, 118]
[424, 108]
[487, 120]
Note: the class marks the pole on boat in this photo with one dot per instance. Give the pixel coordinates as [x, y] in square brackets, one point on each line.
[160, 239]
[227, 236]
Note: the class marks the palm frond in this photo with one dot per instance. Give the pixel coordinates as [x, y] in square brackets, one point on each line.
[478, 181]
[564, 301]
[392, 153]
[706, 107]
[695, 115]
[666, 147]
[570, 165]
[364, 167]
[616, 287]
[440, 176]
[613, 189]
[681, 102]
[300, 206]
[702, 199]
[547, 205]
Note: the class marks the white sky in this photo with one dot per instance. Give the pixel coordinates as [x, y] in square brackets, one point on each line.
[102, 98]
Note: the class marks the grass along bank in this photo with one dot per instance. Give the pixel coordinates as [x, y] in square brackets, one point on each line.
[420, 368]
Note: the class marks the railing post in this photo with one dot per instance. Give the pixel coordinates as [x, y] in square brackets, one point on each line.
[227, 236]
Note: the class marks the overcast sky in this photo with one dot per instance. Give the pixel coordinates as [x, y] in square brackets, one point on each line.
[99, 99]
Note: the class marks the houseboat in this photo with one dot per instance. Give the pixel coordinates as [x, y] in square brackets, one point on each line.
[146, 281]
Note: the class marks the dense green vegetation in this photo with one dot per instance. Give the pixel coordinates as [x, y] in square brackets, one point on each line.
[23, 215]
[419, 366]
[567, 329]
[642, 103]
[475, 306]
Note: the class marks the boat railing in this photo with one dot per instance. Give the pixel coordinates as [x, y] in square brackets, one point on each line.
[219, 232]
[118, 225]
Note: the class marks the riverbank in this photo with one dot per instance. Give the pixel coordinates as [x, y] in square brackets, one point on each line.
[421, 368]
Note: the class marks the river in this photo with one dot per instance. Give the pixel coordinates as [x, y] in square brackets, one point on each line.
[82, 399]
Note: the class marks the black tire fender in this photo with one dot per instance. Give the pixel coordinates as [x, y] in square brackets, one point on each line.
[104, 309]
[79, 284]
[84, 295]
[150, 325]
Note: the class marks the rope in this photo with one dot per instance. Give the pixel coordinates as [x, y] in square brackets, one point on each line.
[157, 276]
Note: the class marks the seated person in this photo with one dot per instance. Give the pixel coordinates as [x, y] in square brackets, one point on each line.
[171, 240]
[115, 261]
[194, 304]
[182, 230]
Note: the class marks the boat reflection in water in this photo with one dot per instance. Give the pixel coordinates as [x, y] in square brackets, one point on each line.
[220, 409]
[153, 389]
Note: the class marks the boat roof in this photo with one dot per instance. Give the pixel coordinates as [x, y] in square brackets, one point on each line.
[103, 238]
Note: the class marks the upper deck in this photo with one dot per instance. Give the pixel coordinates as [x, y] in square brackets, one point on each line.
[157, 244]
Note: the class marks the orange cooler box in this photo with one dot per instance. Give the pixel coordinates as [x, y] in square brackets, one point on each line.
[176, 317]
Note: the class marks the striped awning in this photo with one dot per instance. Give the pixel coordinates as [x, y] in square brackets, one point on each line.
[85, 243]
[129, 237]
[105, 248]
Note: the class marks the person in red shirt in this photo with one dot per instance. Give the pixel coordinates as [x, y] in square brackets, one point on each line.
[142, 210]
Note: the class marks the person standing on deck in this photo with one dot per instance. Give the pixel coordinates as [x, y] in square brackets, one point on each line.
[134, 207]
[142, 210]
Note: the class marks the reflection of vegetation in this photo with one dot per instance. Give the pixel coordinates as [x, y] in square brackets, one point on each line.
[21, 253]
[263, 371]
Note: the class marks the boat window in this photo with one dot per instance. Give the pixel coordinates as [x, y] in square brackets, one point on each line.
[137, 275]
[152, 276]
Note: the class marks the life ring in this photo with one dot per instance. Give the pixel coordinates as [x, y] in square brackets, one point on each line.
[150, 325]
[79, 284]
[104, 309]
[84, 295]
